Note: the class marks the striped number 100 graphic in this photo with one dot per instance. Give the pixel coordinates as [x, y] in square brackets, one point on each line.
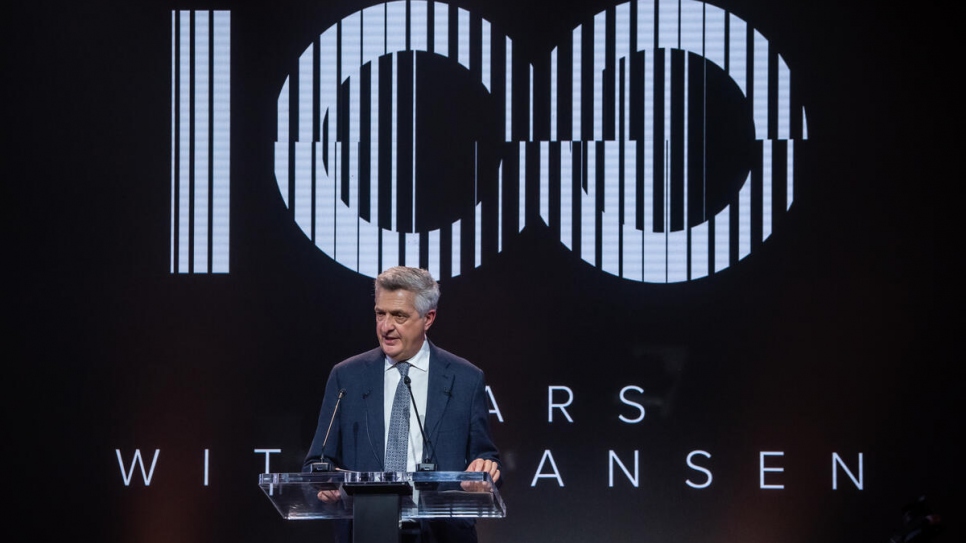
[656, 143]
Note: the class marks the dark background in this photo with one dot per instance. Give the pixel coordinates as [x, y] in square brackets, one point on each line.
[835, 335]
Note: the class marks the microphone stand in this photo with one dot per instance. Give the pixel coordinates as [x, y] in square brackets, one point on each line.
[326, 466]
[426, 464]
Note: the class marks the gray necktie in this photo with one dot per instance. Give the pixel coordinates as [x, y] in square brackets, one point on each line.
[397, 447]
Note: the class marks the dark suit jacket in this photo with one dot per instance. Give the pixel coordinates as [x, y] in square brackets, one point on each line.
[456, 420]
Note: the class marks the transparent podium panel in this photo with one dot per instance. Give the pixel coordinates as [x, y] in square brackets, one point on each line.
[423, 494]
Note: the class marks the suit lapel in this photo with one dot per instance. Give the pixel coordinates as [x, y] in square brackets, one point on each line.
[375, 401]
[438, 392]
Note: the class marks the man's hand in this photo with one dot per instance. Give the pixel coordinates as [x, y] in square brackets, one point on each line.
[480, 464]
[329, 496]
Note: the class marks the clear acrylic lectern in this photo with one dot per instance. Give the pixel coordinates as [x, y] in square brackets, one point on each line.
[378, 501]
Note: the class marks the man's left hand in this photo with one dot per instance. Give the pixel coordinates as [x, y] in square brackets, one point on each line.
[480, 464]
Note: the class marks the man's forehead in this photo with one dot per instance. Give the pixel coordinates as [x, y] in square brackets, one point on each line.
[399, 299]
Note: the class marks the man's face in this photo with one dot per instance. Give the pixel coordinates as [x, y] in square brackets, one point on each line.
[399, 327]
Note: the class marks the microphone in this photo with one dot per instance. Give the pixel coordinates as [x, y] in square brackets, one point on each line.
[326, 466]
[426, 465]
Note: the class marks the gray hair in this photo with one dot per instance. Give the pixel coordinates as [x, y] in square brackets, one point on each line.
[415, 280]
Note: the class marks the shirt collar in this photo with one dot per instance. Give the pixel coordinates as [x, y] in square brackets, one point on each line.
[419, 361]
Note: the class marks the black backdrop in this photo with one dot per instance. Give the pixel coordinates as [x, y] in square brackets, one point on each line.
[832, 337]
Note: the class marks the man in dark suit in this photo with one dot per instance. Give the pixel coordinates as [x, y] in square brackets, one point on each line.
[449, 393]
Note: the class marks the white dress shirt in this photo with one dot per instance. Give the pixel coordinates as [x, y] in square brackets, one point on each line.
[419, 381]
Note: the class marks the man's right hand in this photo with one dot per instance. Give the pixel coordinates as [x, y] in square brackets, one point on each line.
[329, 496]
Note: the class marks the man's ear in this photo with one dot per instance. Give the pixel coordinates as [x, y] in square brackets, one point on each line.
[430, 319]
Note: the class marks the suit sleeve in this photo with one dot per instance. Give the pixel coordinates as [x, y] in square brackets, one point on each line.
[481, 443]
